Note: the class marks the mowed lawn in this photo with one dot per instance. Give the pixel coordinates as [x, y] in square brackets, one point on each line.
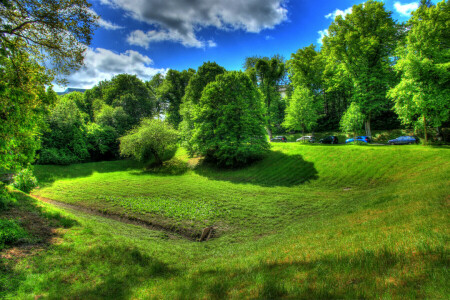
[309, 221]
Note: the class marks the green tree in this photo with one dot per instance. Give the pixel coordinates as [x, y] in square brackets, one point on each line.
[130, 93]
[102, 141]
[114, 117]
[303, 110]
[66, 141]
[205, 74]
[38, 40]
[153, 86]
[268, 75]
[229, 124]
[152, 141]
[353, 119]
[364, 42]
[422, 96]
[172, 91]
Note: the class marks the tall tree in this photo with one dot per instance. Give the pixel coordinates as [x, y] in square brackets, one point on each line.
[229, 125]
[422, 96]
[38, 39]
[153, 86]
[205, 74]
[130, 93]
[268, 75]
[303, 110]
[364, 42]
[172, 91]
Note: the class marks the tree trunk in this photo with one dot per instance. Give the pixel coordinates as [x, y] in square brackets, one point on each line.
[425, 129]
[368, 131]
[269, 131]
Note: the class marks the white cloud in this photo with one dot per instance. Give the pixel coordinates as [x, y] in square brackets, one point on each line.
[106, 24]
[406, 9]
[339, 12]
[322, 33]
[102, 64]
[180, 20]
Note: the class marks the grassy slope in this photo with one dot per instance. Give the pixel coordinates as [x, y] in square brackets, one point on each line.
[308, 221]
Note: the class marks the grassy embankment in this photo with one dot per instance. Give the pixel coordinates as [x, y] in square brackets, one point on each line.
[309, 221]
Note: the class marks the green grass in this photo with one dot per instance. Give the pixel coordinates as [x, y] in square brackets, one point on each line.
[309, 221]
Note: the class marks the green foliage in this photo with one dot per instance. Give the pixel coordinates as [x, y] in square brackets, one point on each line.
[114, 117]
[6, 198]
[205, 74]
[152, 141]
[66, 141]
[303, 111]
[423, 91]
[102, 141]
[53, 33]
[25, 181]
[268, 74]
[130, 93]
[364, 42]
[172, 91]
[229, 123]
[353, 119]
[10, 232]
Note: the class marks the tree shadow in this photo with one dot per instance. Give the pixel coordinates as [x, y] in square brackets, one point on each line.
[171, 167]
[364, 274]
[276, 169]
[47, 174]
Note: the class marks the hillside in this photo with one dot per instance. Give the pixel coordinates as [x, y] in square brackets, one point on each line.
[309, 221]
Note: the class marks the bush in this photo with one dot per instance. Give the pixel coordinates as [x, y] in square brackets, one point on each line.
[25, 181]
[10, 232]
[153, 141]
[5, 198]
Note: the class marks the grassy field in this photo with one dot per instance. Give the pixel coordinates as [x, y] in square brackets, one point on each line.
[309, 221]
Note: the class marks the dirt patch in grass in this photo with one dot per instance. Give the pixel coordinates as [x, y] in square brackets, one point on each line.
[172, 231]
[42, 233]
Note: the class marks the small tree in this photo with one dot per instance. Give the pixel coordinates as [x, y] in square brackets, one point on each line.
[302, 111]
[229, 122]
[353, 119]
[151, 140]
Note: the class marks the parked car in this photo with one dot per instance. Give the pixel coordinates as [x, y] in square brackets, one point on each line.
[279, 139]
[363, 138]
[305, 138]
[329, 140]
[403, 140]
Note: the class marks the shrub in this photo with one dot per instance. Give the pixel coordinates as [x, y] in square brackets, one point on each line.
[5, 197]
[25, 180]
[153, 140]
[10, 232]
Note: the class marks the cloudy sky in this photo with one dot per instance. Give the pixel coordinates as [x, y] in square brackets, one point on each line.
[144, 37]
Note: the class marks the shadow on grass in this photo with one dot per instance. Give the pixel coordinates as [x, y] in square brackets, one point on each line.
[276, 169]
[365, 274]
[171, 167]
[101, 272]
[47, 174]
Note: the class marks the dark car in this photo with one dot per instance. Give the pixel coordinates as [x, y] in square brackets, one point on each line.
[364, 139]
[403, 140]
[279, 139]
[329, 140]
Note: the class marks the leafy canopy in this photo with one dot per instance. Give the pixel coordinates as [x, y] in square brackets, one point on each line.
[229, 124]
[423, 93]
[152, 141]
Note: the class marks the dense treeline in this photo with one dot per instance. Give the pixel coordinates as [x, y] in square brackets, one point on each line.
[371, 72]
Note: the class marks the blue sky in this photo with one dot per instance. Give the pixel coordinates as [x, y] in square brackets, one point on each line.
[144, 37]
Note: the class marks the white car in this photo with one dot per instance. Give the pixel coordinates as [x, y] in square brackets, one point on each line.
[305, 138]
